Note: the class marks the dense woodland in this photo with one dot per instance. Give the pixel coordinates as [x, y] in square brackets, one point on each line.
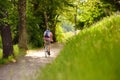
[22, 22]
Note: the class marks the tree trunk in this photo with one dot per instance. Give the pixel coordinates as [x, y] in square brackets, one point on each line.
[6, 40]
[46, 20]
[5, 35]
[22, 25]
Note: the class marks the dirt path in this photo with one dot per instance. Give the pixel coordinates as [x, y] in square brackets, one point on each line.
[27, 67]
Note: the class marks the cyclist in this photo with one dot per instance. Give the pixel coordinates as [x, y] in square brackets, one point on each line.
[48, 39]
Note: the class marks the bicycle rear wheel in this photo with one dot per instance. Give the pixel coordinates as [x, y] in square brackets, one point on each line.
[47, 44]
[46, 50]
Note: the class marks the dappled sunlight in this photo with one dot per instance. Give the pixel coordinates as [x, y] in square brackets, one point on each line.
[35, 54]
[41, 52]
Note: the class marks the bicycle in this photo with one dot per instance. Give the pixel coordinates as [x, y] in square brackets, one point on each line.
[46, 45]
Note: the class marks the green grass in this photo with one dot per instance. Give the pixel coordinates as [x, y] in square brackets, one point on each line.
[10, 58]
[16, 50]
[1, 53]
[93, 54]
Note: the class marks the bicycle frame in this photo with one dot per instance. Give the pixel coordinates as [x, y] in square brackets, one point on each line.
[46, 46]
[46, 50]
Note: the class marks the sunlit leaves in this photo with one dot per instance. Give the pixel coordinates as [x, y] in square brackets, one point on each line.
[91, 11]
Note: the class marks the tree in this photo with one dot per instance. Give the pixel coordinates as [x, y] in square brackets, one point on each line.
[114, 4]
[5, 30]
[50, 8]
[90, 11]
[22, 25]
[6, 40]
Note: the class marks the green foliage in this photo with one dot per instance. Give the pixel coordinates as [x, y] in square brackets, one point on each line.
[90, 12]
[114, 3]
[16, 50]
[1, 49]
[0, 42]
[93, 54]
[4, 4]
[10, 58]
[35, 14]
[7, 60]
[1, 53]
[35, 35]
[35, 26]
[59, 33]
[9, 15]
[13, 21]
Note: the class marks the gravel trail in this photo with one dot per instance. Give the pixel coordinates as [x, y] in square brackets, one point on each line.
[27, 67]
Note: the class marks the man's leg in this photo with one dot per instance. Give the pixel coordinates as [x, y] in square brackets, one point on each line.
[48, 47]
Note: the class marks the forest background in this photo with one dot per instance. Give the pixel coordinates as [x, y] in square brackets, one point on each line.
[22, 22]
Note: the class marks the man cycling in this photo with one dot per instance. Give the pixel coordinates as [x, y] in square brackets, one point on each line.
[48, 39]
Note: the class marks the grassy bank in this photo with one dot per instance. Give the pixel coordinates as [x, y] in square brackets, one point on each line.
[10, 58]
[93, 54]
